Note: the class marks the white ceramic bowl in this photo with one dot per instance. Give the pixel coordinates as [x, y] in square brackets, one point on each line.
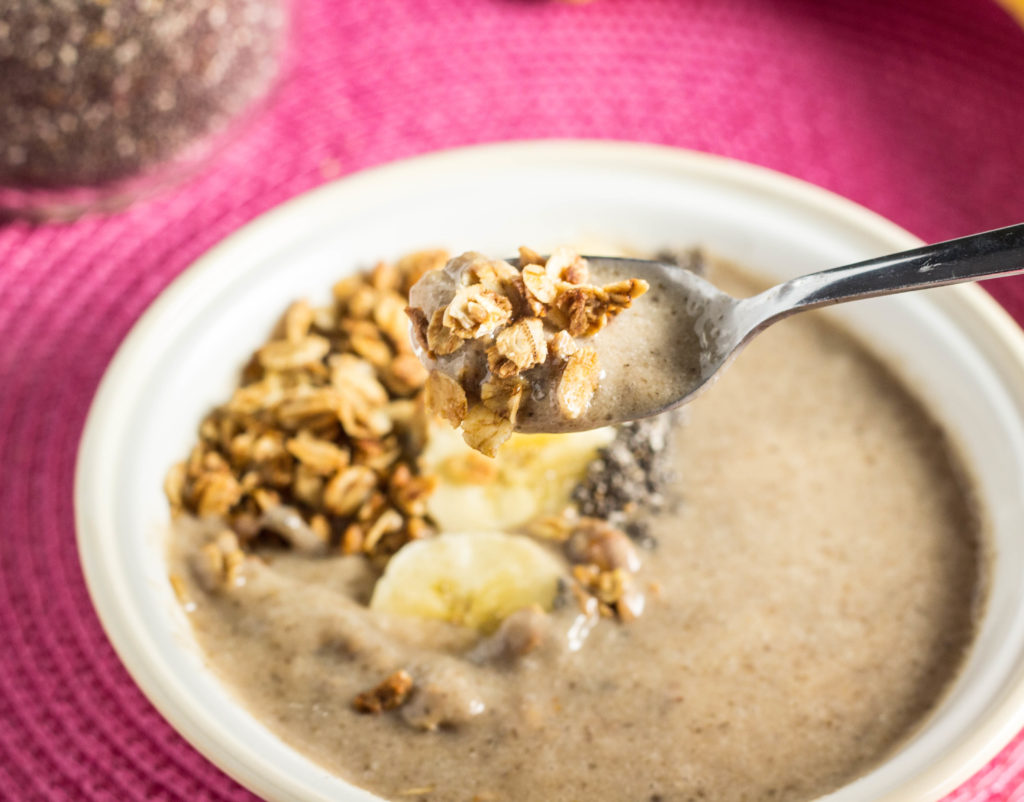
[955, 344]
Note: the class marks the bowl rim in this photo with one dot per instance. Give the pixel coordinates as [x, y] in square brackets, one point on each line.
[143, 664]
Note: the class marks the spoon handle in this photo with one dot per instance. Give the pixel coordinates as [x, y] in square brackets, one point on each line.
[992, 253]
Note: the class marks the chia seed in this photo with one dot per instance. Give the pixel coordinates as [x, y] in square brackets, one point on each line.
[630, 478]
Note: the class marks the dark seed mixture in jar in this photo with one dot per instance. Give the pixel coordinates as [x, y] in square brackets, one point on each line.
[96, 90]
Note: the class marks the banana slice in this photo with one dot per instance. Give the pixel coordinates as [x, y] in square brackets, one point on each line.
[472, 579]
[532, 475]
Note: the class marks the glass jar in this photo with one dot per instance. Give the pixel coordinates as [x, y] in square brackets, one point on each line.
[102, 101]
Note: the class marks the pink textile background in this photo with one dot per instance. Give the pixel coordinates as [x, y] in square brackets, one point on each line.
[913, 108]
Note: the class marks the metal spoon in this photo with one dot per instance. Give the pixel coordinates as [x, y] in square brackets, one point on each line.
[719, 325]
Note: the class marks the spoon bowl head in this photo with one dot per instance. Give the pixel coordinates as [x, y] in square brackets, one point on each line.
[661, 352]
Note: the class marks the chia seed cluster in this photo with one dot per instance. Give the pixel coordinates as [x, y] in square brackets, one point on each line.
[630, 477]
[97, 90]
[628, 480]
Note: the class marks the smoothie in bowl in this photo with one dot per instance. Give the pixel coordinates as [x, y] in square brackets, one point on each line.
[805, 582]
[759, 596]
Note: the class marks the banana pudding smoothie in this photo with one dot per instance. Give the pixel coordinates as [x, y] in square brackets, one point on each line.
[758, 597]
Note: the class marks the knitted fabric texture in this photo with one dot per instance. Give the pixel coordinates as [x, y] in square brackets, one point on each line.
[914, 109]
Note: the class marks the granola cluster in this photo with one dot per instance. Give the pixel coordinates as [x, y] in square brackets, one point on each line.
[318, 446]
[503, 331]
[604, 564]
[390, 694]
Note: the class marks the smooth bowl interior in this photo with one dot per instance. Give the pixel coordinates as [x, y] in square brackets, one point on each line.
[954, 345]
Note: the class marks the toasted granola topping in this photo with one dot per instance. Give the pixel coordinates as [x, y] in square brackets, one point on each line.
[485, 430]
[522, 345]
[621, 294]
[174, 487]
[391, 694]
[405, 375]
[349, 489]
[610, 588]
[297, 321]
[578, 383]
[540, 283]
[217, 565]
[217, 491]
[524, 304]
[318, 446]
[442, 340]
[585, 310]
[528, 256]
[446, 397]
[562, 345]
[321, 457]
[503, 396]
[285, 355]
[420, 325]
[604, 560]
[476, 311]
[513, 324]
[567, 265]
[490, 273]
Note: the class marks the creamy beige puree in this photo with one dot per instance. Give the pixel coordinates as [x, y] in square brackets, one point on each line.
[650, 357]
[810, 598]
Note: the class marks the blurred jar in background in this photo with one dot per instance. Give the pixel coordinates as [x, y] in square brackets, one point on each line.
[103, 101]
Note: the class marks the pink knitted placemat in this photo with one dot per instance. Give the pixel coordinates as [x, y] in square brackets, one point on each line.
[913, 108]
